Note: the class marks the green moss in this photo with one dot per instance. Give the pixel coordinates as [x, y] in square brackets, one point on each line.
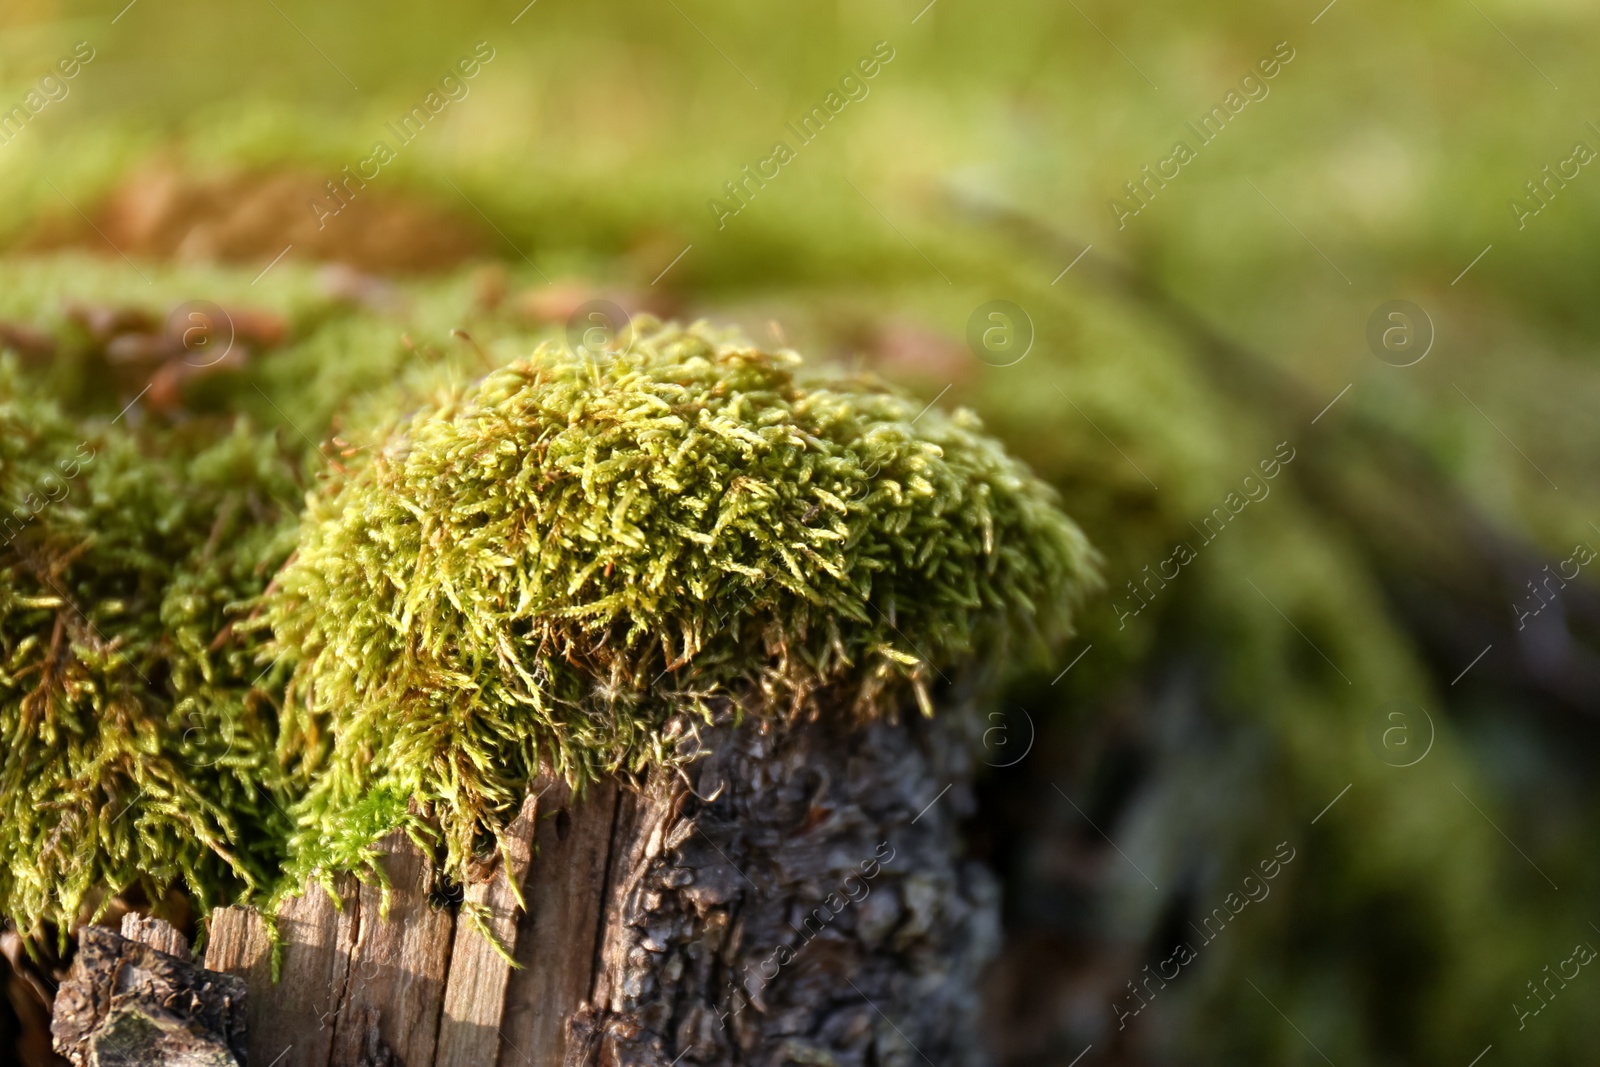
[558, 568]
[543, 571]
[137, 724]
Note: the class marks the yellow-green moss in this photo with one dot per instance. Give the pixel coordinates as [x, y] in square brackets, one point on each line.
[545, 569]
[137, 726]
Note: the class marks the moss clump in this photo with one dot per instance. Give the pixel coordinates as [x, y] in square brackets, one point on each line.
[542, 571]
[137, 723]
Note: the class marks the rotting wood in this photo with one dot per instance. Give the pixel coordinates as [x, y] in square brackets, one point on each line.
[398, 965]
[291, 1021]
[359, 989]
[799, 893]
[157, 933]
[127, 1004]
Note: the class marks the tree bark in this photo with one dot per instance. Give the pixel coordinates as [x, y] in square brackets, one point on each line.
[796, 895]
[139, 1000]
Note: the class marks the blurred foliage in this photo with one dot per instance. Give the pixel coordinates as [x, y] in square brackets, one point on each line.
[1383, 163]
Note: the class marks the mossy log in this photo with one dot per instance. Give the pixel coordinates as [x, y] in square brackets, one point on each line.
[716, 597]
[797, 895]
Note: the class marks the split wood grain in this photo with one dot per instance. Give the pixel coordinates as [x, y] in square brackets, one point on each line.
[157, 933]
[417, 986]
[395, 994]
[558, 936]
[290, 1021]
[637, 840]
[475, 995]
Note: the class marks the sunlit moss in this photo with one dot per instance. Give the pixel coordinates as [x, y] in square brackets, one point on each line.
[544, 570]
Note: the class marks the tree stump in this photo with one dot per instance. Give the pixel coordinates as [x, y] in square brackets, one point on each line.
[500, 590]
[798, 894]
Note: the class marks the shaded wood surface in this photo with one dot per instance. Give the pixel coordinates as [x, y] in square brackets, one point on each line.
[291, 1021]
[361, 987]
[558, 935]
[158, 934]
[391, 1004]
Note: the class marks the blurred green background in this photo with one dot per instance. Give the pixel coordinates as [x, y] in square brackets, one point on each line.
[1177, 353]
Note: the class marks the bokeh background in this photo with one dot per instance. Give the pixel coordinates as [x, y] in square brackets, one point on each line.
[1344, 673]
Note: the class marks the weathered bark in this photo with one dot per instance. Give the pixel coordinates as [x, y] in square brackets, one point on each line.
[126, 1003]
[805, 902]
[797, 894]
